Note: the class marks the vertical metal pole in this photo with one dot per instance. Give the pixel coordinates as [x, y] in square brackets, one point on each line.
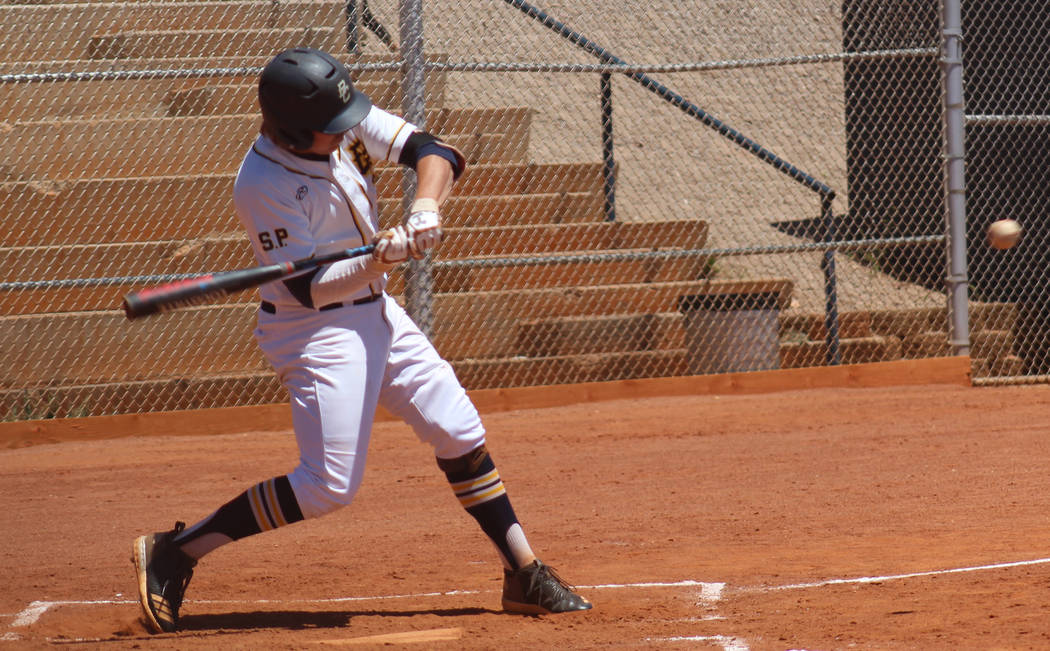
[955, 175]
[419, 284]
[352, 22]
[608, 161]
[833, 355]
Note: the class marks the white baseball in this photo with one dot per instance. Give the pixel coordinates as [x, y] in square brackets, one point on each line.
[1004, 233]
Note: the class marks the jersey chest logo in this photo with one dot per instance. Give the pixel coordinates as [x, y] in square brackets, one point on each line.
[359, 154]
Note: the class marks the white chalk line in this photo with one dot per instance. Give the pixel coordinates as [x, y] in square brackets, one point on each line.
[36, 609]
[710, 593]
[897, 577]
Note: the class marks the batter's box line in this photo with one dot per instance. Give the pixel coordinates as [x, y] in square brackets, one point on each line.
[710, 591]
[897, 577]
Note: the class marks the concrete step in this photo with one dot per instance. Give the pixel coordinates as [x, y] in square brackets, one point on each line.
[922, 328]
[189, 207]
[99, 347]
[852, 325]
[212, 145]
[485, 324]
[861, 350]
[152, 97]
[984, 344]
[571, 369]
[508, 209]
[599, 334]
[54, 31]
[207, 391]
[206, 255]
[1008, 366]
[236, 98]
[99, 92]
[123, 397]
[103, 347]
[177, 43]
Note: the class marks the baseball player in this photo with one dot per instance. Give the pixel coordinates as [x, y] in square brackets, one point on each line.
[338, 343]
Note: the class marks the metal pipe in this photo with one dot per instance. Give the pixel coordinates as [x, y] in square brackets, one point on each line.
[675, 99]
[833, 355]
[419, 281]
[521, 261]
[352, 23]
[608, 160]
[955, 176]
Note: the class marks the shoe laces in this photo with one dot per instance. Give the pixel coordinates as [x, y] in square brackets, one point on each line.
[178, 567]
[547, 574]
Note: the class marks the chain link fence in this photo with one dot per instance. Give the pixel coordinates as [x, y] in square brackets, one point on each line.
[655, 189]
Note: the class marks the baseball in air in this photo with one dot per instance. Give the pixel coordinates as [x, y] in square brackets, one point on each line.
[1004, 233]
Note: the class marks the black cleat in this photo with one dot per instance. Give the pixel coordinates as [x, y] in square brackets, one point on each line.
[537, 590]
[163, 571]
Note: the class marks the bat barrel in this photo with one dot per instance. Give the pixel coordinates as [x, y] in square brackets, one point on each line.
[182, 293]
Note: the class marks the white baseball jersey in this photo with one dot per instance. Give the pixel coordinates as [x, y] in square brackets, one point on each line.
[293, 207]
[339, 364]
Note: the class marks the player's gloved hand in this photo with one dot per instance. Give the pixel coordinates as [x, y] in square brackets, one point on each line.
[423, 227]
[391, 246]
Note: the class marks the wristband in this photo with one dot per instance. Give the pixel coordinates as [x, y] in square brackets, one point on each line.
[424, 204]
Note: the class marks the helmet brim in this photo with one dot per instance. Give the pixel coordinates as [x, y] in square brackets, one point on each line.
[356, 111]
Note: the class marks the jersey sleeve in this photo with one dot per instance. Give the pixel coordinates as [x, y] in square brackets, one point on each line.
[384, 134]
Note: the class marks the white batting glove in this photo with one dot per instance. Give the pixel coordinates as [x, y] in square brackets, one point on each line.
[392, 246]
[423, 227]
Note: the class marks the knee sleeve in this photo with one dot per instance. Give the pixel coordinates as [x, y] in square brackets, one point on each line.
[466, 465]
[318, 495]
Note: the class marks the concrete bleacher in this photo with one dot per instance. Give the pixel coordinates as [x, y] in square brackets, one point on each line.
[136, 180]
[135, 147]
[889, 335]
[59, 31]
[136, 176]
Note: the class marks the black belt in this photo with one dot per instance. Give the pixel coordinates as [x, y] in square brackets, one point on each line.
[270, 308]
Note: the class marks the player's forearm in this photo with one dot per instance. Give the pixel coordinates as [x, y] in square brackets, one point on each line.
[340, 280]
[433, 178]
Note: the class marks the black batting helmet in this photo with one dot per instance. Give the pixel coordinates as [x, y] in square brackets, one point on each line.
[302, 90]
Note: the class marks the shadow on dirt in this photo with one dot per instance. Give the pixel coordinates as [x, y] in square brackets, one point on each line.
[304, 619]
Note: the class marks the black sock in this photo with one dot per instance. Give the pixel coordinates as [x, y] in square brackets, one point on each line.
[265, 506]
[480, 491]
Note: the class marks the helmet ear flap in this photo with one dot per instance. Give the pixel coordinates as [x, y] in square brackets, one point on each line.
[296, 139]
[300, 139]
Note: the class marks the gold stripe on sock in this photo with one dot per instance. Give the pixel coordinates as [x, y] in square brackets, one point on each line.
[255, 497]
[470, 484]
[477, 498]
[275, 506]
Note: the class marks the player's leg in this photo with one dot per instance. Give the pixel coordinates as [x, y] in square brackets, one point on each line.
[421, 388]
[333, 399]
[164, 561]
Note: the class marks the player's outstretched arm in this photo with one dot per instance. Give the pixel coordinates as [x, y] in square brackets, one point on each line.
[435, 176]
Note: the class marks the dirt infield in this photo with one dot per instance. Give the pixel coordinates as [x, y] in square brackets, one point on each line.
[878, 518]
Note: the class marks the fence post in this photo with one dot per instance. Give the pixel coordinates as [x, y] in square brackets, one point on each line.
[833, 354]
[419, 282]
[608, 160]
[955, 175]
[353, 21]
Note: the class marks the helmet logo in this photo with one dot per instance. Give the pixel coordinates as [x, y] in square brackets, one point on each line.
[344, 91]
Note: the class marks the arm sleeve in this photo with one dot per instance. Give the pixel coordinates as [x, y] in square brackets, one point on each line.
[334, 282]
[421, 144]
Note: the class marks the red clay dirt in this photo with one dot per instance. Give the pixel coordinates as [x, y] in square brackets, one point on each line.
[878, 518]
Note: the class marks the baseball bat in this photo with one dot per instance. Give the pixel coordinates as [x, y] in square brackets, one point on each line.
[194, 291]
